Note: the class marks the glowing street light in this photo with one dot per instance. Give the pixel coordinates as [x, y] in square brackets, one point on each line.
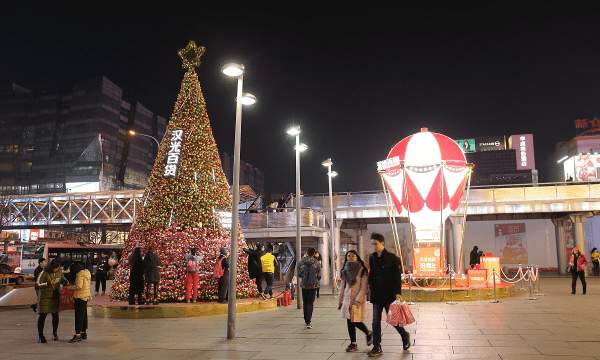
[333, 250]
[133, 133]
[295, 131]
[235, 70]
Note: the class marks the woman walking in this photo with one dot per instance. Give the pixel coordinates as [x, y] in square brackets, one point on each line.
[595, 255]
[81, 294]
[353, 292]
[49, 283]
[136, 277]
[578, 263]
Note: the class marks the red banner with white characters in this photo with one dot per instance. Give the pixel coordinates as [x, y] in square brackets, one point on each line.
[428, 261]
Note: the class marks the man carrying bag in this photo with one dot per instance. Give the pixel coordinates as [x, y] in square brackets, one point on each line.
[385, 283]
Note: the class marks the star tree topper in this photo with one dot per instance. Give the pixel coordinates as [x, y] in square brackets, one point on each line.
[191, 55]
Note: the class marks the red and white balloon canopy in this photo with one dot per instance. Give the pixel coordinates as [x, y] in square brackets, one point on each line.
[418, 170]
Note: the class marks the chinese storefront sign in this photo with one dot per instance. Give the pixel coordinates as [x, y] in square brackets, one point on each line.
[585, 125]
[174, 154]
[511, 243]
[428, 262]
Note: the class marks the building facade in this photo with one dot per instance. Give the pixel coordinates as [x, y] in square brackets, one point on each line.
[249, 175]
[501, 160]
[75, 142]
[579, 158]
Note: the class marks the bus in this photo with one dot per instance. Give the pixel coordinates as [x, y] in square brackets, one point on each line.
[29, 258]
[69, 252]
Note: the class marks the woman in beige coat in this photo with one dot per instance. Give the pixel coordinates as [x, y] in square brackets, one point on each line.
[353, 291]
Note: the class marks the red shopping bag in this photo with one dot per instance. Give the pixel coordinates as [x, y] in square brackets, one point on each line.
[67, 301]
[400, 314]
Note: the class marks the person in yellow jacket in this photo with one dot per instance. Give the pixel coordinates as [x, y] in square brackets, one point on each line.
[268, 262]
[595, 255]
[81, 293]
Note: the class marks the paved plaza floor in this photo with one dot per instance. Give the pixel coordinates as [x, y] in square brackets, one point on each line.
[556, 326]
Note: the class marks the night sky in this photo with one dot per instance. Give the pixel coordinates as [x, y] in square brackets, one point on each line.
[356, 79]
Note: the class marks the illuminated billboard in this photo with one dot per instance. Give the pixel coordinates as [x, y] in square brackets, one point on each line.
[524, 146]
[490, 143]
[467, 145]
[587, 167]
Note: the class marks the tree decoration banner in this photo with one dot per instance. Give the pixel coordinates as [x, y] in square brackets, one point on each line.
[181, 210]
[174, 154]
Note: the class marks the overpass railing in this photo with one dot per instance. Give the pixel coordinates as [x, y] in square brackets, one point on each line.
[562, 191]
[281, 218]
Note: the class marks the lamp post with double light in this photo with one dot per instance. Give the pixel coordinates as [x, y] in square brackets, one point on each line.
[235, 70]
[333, 250]
[295, 131]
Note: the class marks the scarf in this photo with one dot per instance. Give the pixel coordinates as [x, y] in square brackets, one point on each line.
[351, 270]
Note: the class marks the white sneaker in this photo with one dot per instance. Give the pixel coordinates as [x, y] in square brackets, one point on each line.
[308, 326]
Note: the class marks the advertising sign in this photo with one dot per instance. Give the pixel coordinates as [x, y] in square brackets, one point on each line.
[174, 154]
[477, 277]
[467, 145]
[587, 167]
[490, 143]
[525, 154]
[489, 263]
[569, 237]
[428, 262]
[511, 243]
[587, 126]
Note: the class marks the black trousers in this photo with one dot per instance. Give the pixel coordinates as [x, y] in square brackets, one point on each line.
[269, 277]
[132, 295]
[352, 326]
[377, 310]
[596, 268]
[574, 276]
[223, 285]
[101, 279]
[258, 281]
[148, 285]
[308, 301]
[42, 320]
[81, 319]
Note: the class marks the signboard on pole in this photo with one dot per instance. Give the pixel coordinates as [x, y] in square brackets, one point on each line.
[428, 261]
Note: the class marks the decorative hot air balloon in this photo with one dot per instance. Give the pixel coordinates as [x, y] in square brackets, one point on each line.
[426, 174]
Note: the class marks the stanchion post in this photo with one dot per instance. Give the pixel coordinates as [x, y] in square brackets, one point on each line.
[537, 280]
[451, 296]
[410, 289]
[522, 276]
[494, 279]
[529, 281]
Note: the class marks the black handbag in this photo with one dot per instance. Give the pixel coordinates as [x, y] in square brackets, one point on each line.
[569, 268]
[56, 294]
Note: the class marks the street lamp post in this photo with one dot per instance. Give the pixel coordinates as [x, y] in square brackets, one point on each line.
[332, 249]
[235, 70]
[131, 132]
[295, 131]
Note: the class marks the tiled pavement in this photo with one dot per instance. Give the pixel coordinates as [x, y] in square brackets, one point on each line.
[556, 326]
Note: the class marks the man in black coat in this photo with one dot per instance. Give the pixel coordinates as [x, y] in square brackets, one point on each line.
[152, 274]
[254, 265]
[385, 283]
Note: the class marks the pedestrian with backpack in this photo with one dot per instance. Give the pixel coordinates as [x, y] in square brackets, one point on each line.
[309, 270]
[191, 277]
[268, 262]
[222, 268]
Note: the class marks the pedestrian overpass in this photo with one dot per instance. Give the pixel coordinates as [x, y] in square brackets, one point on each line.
[353, 210]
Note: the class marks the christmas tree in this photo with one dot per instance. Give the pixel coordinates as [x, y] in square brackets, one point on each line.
[185, 195]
